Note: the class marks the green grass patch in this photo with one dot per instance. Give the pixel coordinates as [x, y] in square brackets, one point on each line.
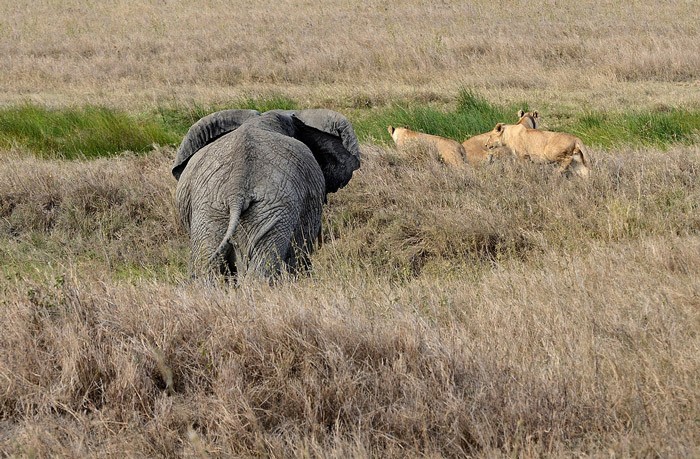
[91, 131]
[473, 115]
[85, 132]
[650, 129]
[98, 131]
[179, 119]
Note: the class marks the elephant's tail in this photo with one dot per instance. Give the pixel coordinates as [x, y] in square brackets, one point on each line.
[225, 246]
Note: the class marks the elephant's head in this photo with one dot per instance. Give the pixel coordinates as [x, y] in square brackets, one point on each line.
[332, 140]
[205, 131]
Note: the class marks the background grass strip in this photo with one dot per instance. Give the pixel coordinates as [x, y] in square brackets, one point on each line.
[93, 131]
[472, 115]
[84, 132]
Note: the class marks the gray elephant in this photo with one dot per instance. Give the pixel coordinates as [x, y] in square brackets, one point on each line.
[251, 187]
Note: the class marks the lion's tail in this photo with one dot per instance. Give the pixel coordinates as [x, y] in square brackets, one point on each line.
[580, 151]
[581, 156]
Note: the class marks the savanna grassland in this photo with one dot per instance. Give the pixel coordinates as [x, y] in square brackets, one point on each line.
[500, 311]
[562, 53]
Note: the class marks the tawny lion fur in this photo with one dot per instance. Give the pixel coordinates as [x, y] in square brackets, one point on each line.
[542, 146]
[451, 152]
[475, 147]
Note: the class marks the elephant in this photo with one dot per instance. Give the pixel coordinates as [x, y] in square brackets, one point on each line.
[251, 188]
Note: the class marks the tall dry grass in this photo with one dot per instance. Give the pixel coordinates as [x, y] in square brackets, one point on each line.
[501, 311]
[116, 213]
[65, 52]
[504, 311]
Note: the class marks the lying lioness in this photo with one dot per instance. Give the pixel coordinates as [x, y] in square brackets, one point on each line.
[541, 146]
[475, 148]
[451, 152]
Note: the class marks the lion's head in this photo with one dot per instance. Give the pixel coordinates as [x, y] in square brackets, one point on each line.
[495, 139]
[530, 120]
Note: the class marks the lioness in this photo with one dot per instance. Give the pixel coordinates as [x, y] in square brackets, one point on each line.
[541, 146]
[475, 148]
[451, 152]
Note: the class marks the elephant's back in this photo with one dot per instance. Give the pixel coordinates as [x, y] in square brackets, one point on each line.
[281, 159]
[214, 174]
[207, 130]
[261, 163]
[214, 160]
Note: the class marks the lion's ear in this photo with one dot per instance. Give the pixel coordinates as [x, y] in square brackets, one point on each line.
[390, 129]
[499, 127]
[535, 114]
[520, 113]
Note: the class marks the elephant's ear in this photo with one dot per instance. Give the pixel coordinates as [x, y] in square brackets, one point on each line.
[207, 130]
[332, 140]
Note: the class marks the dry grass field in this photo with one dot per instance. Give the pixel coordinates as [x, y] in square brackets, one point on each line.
[507, 311]
[493, 312]
[559, 53]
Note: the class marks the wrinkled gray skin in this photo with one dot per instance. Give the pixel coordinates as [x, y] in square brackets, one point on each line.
[251, 187]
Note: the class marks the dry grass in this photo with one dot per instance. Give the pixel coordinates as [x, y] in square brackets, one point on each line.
[117, 213]
[504, 311]
[563, 54]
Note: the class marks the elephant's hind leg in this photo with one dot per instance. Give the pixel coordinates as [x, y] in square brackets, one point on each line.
[270, 246]
[208, 255]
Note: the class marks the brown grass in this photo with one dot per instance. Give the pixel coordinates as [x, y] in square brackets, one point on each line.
[502, 311]
[562, 54]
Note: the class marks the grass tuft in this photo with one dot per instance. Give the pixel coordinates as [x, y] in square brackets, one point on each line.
[658, 129]
[473, 115]
[87, 132]
[179, 119]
